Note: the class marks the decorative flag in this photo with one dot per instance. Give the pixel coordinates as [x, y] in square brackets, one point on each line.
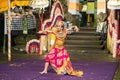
[25, 26]
[73, 7]
[101, 6]
[90, 7]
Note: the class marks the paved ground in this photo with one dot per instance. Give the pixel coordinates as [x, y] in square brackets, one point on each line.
[76, 56]
[28, 69]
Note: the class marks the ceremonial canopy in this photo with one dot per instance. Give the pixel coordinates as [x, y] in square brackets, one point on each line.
[4, 4]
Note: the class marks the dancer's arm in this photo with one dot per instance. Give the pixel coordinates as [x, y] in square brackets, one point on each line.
[45, 68]
[44, 32]
[72, 28]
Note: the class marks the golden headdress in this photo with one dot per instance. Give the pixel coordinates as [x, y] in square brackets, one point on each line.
[60, 23]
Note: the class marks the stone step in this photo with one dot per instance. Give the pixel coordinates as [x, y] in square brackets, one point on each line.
[81, 37]
[87, 29]
[83, 42]
[87, 47]
[90, 33]
[84, 51]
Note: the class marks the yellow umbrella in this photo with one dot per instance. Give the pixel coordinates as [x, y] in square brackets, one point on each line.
[4, 4]
[113, 4]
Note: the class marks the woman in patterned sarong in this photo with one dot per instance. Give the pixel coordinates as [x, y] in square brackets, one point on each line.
[58, 56]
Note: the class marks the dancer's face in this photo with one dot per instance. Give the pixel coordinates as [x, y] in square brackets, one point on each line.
[60, 26]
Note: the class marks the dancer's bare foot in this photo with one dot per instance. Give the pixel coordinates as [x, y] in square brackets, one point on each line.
[43, 72]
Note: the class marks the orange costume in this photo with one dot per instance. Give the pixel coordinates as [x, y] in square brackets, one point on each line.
[58, 56]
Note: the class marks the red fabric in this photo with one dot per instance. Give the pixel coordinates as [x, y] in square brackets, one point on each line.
[57, 57]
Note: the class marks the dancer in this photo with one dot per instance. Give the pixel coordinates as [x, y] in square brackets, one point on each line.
[58, 56]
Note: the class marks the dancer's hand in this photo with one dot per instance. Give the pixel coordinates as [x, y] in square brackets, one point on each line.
[76, 29]
[42, 32]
